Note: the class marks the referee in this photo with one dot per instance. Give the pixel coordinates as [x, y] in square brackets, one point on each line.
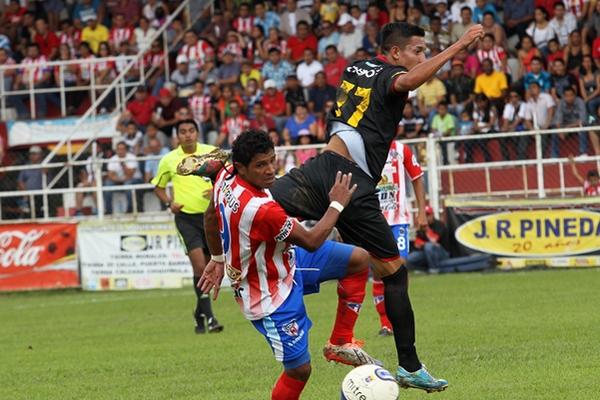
[190, 201]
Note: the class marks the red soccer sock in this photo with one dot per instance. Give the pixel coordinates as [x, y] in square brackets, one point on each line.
[287, 388]
[378, 299]
[351, 293]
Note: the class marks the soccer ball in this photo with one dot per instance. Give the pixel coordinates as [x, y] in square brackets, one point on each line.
[369, 382]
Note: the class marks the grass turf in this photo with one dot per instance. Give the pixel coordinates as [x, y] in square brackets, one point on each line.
[526, 335]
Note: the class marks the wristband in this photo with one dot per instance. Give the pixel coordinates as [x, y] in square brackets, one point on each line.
[337, 205]
[220, 258]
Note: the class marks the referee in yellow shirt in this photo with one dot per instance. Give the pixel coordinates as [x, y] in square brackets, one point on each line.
[190, 201]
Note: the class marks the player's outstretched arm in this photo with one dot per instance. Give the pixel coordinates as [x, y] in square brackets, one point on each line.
[339, 195]
[425, 70]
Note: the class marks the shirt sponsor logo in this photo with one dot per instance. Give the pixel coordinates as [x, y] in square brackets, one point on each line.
[285, 231]
[369, 73]
[230, 199]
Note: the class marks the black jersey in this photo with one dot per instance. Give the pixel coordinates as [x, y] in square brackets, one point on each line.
[365, 100]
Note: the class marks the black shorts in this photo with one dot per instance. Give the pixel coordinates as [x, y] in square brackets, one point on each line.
[191, 230]
[304, 193]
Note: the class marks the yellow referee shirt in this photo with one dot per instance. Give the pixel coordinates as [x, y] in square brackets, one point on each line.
[189, 190]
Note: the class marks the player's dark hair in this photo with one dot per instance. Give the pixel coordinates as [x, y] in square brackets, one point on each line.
[397, 34]
[185, 121]
[250, 143]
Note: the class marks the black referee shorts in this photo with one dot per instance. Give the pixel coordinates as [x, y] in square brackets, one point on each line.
[191, 230]
[304, 193]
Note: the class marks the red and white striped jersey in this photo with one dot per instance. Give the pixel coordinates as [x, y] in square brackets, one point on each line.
[71, 40]
[496, 55]
[591, 190]
[200, 106]
[118, 35]
[36, 67]
[392, 187]
[198, 54]
[253, 228]
[243, 25]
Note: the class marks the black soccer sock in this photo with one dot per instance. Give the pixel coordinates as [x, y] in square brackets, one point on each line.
[400, 314]
[203, 306]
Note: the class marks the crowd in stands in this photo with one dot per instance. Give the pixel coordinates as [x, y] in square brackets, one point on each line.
[276, 65]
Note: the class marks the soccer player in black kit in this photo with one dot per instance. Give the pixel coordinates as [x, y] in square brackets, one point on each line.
[362, 126]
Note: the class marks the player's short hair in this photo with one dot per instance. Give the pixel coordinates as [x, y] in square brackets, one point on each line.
[185, 121]
[250, 143]
[397, 34]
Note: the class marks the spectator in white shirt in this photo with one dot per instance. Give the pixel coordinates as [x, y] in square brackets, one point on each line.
[350, 38]
[308, 68]
[540, 109]
[123, 169]
[514, 119]
[563, 23]
[456, 8]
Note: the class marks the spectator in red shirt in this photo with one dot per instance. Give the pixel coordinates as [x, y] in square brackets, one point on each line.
[273, 102]
[46, 40]
[140, 109]
[261, 120]
[377, 15]
[304, 40]
[335, 66]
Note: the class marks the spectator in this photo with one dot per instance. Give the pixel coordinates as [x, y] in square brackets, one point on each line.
[485, 117]
[377, 15]
[443, 125]
[86, 8]
[233, 125]
[308, 68]
[260, 120]
[274, 41]
[540, 108]
[514, 119]
[429, 95]
[563, 23]
[591, 185]
[198, 52]
[483, 7]
[46, 40]
[492, 84]
[86, 67]
[248, 72]
[591, 27]
[302, 155]
[155, 148]
[244, 21]
[133, 138]
[69, 35]
[276, 69]
[305, 40]
[330, 37]
[264, 18]
[431, 245]
[321, 117]
[120, 32]
[589, 86]
[153, 133]
[184, 77]
[555, 52]
[457, 8]
[320, 94]
[493, 28]
[517, 16]
[252, 95]
[143, 34]
[527, 53]
[441, 11]
[165, 111]
[436, 37]
[235, 44]
[464, 23]
[8, 74]
[273, 102]
[538, 75]
[218, 29]
[470, 63]
[575, 51]
[123, 169]
[335, 66]
[578, 7]
[359, 18]
[570, 113]
[371, 39]
[14, 14]
[140, 109]
[130, 9]
[31, 179]
[155, 11]
[294, 94]
[411, 124]
[292, 17]
[94, 33]
[350, 38]
[459, 88]
[496, 54]
[466, 127]
[222, 105]
[540, 30]
[301, 119]
[416, 17]
[561, 79]
[202, 111]
[229, 71]
[399, 11]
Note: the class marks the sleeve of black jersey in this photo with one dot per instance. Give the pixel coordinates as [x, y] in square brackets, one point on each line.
[389, 76]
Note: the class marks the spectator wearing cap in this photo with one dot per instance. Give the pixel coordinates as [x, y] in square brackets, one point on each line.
[459, 88]
[493, 84]
[308, 68]
[274, 104]
[31, 179]
[570, 113]
[165, 112]
[591, 185]
[291, 17]
[94, 33]
[184, 77]
[46, 40]
[350, 38]
[335, 66]
[538, 75]
[277, 69]
[294, 94]
[301, 119]
[517, 16]
[265, 18]
[329, 37]
[441, 10]
[140, 109]
[229, 71]
[563, 23]
[248, 72]
[303, 40]
[436, 37]
[431, 245]
[198, 52]
[233, 125]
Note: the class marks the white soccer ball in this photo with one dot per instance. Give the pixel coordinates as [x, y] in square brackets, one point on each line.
[369, 382]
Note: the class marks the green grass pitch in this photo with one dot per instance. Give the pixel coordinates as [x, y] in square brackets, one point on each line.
[526, 335]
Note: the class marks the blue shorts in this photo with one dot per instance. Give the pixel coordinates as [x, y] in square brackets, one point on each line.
[400, 232]
[286, 330]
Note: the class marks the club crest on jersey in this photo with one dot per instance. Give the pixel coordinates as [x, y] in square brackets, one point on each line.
[233, 274]
[291, 328]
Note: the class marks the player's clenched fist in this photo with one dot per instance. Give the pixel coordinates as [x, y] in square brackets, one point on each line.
[472, 34]
[341, 190]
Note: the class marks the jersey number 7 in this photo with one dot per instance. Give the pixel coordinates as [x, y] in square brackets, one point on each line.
[342, 99]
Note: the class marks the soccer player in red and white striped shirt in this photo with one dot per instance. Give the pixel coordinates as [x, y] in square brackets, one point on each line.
[269, 277]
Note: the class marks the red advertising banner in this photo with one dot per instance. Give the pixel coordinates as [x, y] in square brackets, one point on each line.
[38, 256]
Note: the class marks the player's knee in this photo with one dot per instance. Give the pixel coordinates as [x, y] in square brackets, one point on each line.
[359, 261]
[397, 280]
[301, 373]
